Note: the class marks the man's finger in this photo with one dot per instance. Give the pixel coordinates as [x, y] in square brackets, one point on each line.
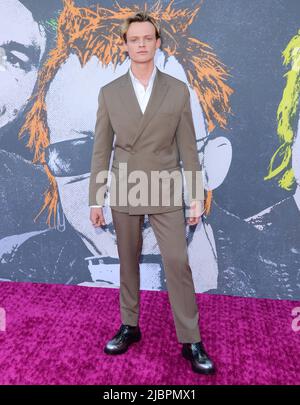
[193, 220]
[100, 220]
[96, 221]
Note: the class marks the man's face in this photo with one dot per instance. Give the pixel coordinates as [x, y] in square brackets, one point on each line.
[141, 42]
[22, 43]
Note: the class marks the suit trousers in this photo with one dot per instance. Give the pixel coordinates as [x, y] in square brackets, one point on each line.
[169, 230]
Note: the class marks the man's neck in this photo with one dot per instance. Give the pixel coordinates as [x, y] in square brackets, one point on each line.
[142, 71]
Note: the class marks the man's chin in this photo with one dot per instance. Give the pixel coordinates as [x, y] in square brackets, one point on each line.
[143, 58]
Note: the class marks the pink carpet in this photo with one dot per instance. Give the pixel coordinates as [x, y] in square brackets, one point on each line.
[55, 335]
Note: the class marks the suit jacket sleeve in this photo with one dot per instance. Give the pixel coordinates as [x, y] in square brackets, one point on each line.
[102, 149]
[187, 146]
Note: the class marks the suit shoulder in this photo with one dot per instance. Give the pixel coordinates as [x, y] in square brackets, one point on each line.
[173, 81]
[113, 84]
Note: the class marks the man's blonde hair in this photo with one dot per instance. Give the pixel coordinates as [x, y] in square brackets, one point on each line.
[141, 16]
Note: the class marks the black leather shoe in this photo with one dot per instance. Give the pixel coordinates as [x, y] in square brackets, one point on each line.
[125, 336]
[200, 361]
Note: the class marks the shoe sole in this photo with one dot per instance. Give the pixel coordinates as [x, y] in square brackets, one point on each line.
[133, 340]
[196, 370]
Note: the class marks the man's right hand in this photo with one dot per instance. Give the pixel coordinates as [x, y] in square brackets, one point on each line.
[96, 217]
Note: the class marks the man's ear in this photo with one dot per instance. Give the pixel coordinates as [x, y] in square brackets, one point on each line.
[216, 162]
[158, 43]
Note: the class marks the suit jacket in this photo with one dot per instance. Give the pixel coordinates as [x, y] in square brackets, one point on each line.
[154, 141]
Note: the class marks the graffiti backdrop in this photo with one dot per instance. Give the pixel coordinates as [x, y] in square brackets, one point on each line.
[241, 62]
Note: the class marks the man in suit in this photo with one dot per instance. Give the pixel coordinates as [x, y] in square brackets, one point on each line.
[150, 114]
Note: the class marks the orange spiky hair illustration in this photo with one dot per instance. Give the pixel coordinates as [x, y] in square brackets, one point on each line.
[94, 31]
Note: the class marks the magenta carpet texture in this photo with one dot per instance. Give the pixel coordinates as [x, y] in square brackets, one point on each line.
[55, 335]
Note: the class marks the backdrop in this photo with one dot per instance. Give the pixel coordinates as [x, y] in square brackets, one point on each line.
[241, 61]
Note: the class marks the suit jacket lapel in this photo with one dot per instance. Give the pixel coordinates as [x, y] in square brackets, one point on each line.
[128, 97]
[131, 104]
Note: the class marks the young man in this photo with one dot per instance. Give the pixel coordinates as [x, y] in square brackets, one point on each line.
[150, 114]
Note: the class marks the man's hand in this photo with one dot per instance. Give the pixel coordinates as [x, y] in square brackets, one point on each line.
[195, 212]
[96, 217]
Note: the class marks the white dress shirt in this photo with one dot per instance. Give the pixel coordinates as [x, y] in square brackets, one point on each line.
[142, 94]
